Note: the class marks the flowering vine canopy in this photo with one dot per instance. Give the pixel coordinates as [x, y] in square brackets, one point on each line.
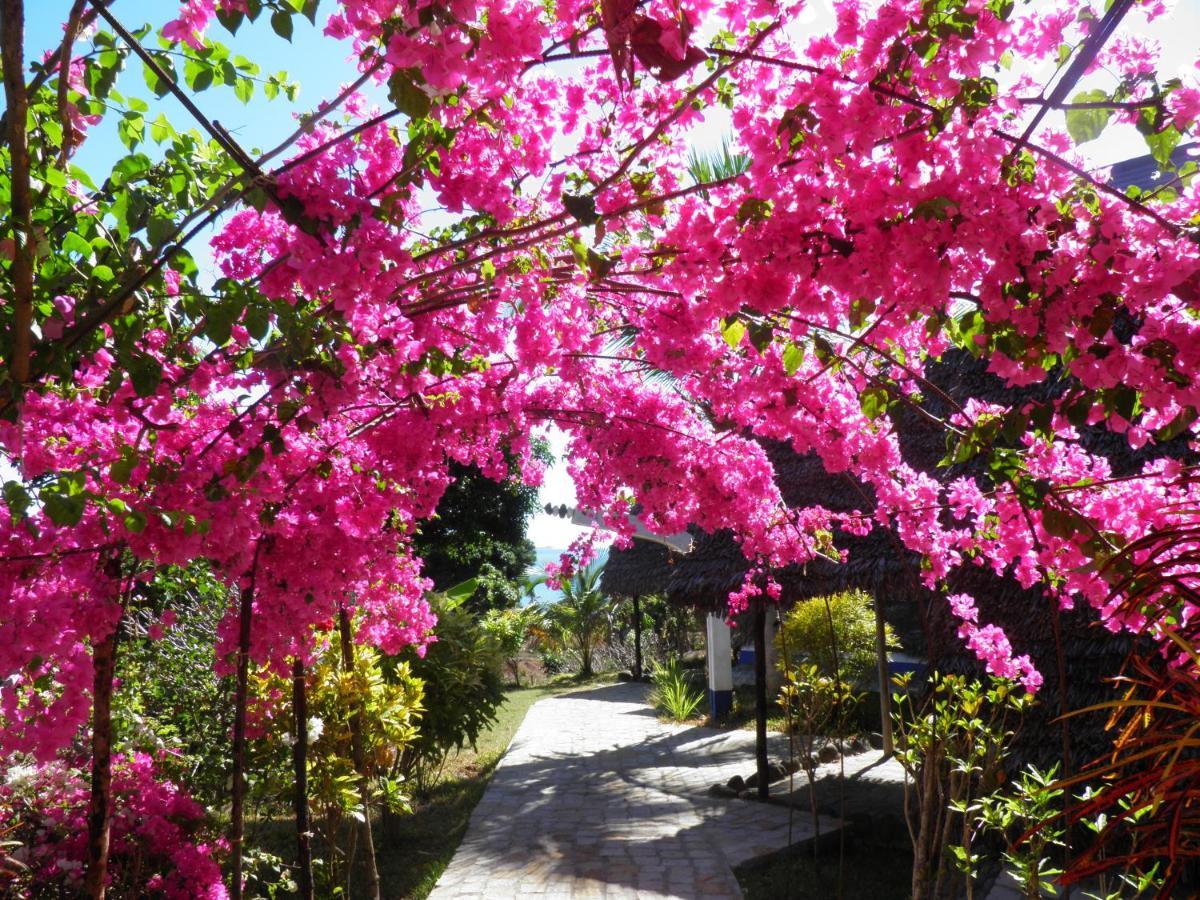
[898, 186]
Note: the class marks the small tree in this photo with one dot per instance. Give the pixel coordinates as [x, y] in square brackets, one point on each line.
[847, 651]
[952, 748]
[581, 618]
[817, 705]
[509, 629]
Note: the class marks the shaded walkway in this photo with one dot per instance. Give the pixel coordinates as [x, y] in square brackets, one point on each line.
[597, 798]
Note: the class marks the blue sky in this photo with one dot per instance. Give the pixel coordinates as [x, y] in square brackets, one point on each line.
[320, 65]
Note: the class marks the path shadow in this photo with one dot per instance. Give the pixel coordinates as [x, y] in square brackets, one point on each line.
[635, 813]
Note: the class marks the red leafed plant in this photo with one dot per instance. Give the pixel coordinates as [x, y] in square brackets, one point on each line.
[1146, 809]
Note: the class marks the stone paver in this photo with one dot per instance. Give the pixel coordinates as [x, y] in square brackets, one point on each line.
[597, 798]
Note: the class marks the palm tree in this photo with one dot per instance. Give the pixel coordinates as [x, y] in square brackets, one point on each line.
[580, 619]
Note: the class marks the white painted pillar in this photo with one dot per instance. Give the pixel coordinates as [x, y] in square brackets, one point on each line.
[719, 657]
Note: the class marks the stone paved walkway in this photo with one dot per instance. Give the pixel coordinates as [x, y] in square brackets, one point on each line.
[597, 798]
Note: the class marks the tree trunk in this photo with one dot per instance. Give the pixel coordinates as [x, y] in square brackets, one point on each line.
[359, 757]
[12, 45]
[238, 798]
[760, 697]
[300, 767]
[1064, 710]
[104, 662]
[637, 638]
[585, 659]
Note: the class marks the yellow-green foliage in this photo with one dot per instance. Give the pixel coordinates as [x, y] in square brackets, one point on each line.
[389, 702]
[390, 705]
[805, 635]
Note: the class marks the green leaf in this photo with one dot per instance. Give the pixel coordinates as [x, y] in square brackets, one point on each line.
[1162, 144]
[281, 24]
[462, 590]
[197, 75]
[754, 210]
[935, 208]
[156, 84]
[131, 129]
[17, 498]
[1087, 124]
[258, 322]
[63, 509]
[159, 229]
[244, 89]
[579, 250]
[231, 20]
[1177, 426]
[161, 129]
[55, 178]
[733, 331]
[583, 208]
[599, 264]
[121, 470]
[874, 402]
[135, 521]
[408, 97]
[75, 243]
[1059, 523]
[103, 273]
[793, 358]
[145, 373]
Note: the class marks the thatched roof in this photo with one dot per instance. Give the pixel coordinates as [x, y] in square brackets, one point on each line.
[879, 564]
[643, 568]
[715, 567]
[1091, 654]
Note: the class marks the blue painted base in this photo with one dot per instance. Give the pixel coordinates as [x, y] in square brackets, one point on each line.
[720, 704]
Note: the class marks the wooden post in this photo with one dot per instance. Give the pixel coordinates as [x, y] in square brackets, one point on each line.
[637, 637]
[300, 767]
[760, 697]
[885, 688]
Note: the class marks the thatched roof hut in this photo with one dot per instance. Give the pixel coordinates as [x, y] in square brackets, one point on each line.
[1090, 653]
[880, 565]
[877, 562]
[641, 569]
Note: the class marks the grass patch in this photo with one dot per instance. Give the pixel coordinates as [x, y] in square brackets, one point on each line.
[868, 873]
[414, 850]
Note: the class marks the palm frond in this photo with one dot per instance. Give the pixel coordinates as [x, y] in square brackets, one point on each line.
[714, 166]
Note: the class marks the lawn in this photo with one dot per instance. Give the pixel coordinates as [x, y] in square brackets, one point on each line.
[413, 855]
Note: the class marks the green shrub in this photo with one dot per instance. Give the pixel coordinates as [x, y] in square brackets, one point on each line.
[172, 704]
[805, 636]
[463, 689]
[510, 630]
[673, 694]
